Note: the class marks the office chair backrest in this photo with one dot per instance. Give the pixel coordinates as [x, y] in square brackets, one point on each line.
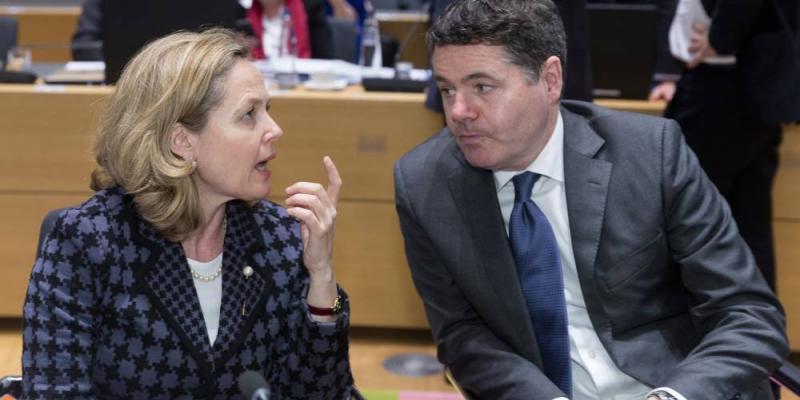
[343, 36]
[788, 376]
[47, 225]
[8, 35]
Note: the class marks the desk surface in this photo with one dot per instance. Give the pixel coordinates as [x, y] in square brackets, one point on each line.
[352, 93]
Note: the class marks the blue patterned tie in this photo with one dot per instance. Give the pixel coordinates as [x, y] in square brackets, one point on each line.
[539, 268]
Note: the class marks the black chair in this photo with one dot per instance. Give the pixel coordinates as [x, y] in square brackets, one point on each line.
[8, 40]
[47, 225]
[8, 35]
[788, 376]
[343, 37]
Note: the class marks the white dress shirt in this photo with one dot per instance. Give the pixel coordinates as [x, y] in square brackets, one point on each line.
[271, 37]
[594, 374]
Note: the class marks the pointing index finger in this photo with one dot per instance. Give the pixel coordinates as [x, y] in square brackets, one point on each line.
[334, 180]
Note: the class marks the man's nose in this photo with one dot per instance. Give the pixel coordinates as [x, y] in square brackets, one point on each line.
[462, 109]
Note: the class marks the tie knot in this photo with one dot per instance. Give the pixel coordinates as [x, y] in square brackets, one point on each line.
[523, 185]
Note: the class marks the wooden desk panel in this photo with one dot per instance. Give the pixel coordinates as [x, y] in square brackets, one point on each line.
[45, 164]
[371, 265]
[787, 244]
[46, 30]
[787, 182]
[364, 138]
[47, 138]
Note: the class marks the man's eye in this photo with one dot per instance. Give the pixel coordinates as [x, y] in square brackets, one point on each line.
[481, 88]
[447, 91]
[249, 114]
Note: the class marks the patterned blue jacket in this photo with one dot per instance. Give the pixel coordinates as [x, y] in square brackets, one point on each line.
[112, 312]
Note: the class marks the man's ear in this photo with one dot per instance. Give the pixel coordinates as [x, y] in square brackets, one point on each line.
[553, 78]
[180, 142]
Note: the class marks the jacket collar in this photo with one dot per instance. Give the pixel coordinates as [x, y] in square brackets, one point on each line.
[166, 279]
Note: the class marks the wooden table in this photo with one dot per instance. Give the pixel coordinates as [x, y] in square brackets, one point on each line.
[45, 163]
[47, 31]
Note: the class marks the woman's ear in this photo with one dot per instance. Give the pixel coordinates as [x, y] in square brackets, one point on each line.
[180, 142]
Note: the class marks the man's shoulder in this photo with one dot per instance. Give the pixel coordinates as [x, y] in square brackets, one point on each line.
[619, 128]
[429, 154]
[601, 117]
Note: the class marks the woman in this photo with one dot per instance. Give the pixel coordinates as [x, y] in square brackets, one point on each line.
[175, 277]
[309, 22]
[266, 18]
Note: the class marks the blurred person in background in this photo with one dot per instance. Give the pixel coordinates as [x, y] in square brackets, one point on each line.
[308, 19]
[715, 46]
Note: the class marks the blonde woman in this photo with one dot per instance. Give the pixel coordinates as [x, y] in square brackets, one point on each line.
[176, 276]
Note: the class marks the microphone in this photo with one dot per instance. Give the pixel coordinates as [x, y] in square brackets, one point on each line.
[253, 386]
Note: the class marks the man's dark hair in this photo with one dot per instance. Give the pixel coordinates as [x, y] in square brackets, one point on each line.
[529, 30]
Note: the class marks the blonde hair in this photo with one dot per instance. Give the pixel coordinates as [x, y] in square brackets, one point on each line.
[177, 79]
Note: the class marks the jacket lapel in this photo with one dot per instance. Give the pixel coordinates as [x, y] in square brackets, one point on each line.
[242, 296]
[167, 281]
[474, 191]
[586, 182]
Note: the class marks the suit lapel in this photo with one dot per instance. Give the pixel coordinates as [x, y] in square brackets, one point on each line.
[167, 281]
[242, 296]
[474, 191]
[586, 182]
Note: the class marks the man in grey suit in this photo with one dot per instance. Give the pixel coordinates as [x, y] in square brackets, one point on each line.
[661, 297]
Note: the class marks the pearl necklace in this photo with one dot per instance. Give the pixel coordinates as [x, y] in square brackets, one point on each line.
[207, 278]
[216, 274]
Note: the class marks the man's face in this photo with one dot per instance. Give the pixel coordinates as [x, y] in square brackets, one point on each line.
[499, 117]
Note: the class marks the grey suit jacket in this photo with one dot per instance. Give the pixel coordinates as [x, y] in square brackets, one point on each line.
[671, 288]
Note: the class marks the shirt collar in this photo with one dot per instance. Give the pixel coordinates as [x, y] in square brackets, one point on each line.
[549, 163]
